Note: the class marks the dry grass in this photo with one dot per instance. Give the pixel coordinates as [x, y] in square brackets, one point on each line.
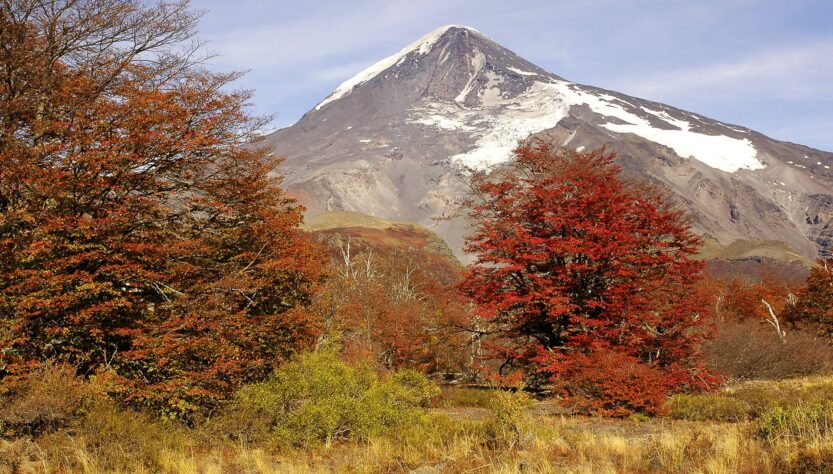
[455, 442]
[569, 445]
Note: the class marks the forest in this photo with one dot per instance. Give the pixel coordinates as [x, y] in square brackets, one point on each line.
[164, 306]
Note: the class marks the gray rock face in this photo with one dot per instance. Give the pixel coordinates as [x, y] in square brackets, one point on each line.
[394, 142]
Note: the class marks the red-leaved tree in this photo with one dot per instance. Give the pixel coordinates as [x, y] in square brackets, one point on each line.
[590, 279]
[813, 305]
[139, 231]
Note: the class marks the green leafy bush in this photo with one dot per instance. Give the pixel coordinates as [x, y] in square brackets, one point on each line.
[318, 398]
[804, 422]
[508, 418]
[696, 407]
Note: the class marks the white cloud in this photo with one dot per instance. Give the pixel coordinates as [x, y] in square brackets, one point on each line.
[787, 73]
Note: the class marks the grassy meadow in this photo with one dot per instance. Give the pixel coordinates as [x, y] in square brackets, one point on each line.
[756, 427]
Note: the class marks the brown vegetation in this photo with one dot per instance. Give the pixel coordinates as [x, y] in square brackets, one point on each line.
[751, 349]
[139, 230]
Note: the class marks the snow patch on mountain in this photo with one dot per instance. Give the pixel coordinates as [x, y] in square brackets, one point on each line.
[717, 151]
[498, 124]
[522, 73]
[421, 47]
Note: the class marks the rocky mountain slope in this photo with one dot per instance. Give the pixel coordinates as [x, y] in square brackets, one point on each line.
[394, 142]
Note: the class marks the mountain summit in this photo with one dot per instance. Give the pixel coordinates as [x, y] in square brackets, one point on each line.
[393, 142]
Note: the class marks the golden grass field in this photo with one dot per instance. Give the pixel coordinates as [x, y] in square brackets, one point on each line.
[777, 427]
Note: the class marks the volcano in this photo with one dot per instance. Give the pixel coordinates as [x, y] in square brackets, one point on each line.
[397, 140]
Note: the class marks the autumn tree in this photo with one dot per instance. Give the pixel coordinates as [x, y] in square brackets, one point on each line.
[812, 307]
[139, 230]
[589, 277]
[746, 300]
[384, 306]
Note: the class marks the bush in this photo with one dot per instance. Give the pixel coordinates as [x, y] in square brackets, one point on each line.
[805, 422]
[466, 397]
[47, 399]
[318, 398]
[508, 418]
[612, 384]
[807, 459]
[61, 413]
[751, 350]
[116, 439]
[751, 400]
[702, 407]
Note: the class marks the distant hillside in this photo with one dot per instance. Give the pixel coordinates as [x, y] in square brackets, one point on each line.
[386, 237]
[743, 258]
[754, 260]
[748, 249]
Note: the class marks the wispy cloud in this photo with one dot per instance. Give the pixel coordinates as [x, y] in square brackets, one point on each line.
[797, 72]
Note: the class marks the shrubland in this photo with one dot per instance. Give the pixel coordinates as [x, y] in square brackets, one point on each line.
[770, 427]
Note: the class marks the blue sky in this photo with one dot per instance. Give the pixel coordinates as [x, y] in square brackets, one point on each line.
[764, 64]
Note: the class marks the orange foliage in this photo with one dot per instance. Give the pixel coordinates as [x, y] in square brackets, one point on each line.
[139, 231]
[386, 307]
[813, 306]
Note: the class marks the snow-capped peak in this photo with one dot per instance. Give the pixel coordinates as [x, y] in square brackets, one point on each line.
[421, 46]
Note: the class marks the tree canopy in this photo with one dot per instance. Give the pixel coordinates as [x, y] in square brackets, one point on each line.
[139, 228]
[587, 274]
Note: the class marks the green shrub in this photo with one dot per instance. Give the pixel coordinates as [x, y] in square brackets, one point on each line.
[805, 422]
[318, 398]
[508, 418]
[704, 407]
